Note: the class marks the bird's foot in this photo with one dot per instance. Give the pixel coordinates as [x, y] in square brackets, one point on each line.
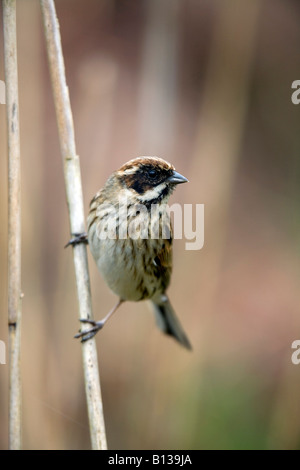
[88, 334]
[96, 325]
[78, 238]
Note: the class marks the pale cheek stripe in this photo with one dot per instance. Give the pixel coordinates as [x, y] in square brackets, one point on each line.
[152, 193]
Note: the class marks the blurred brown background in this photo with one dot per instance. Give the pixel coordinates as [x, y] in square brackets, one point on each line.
[206, 85]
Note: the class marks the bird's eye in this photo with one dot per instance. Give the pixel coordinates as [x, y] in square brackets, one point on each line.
[152, 173]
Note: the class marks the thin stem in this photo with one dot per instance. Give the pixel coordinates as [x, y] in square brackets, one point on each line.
[76, 215]
[14, 221]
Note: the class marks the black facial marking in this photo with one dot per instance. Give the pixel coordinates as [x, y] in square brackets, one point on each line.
[147, 177]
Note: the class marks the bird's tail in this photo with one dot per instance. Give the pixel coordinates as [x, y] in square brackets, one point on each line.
[168, 322]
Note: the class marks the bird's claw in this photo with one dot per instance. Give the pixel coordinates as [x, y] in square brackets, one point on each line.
[85, 335]
[78, 238]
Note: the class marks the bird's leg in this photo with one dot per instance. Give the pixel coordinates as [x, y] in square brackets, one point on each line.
[78, 238]
[96, 325]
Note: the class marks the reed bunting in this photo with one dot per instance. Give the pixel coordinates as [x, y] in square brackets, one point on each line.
[130, 237]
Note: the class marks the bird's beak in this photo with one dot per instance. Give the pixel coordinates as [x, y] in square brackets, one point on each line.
[177, 178]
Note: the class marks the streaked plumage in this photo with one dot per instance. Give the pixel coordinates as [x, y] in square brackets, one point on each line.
[136, 268]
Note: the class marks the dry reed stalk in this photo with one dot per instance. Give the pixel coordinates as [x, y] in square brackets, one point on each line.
[76, 215]
[14, 222]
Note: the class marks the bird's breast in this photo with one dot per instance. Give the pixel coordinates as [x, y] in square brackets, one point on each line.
[132, 252]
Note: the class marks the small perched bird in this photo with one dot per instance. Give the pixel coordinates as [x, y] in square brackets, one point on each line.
[130, 237]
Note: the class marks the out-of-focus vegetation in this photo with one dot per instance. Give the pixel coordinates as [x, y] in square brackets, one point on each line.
[206, 85]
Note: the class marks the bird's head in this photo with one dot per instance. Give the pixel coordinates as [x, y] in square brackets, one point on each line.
[150, 180]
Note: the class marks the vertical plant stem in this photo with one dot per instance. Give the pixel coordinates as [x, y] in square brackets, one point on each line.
[76, 215]
[14, 221]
